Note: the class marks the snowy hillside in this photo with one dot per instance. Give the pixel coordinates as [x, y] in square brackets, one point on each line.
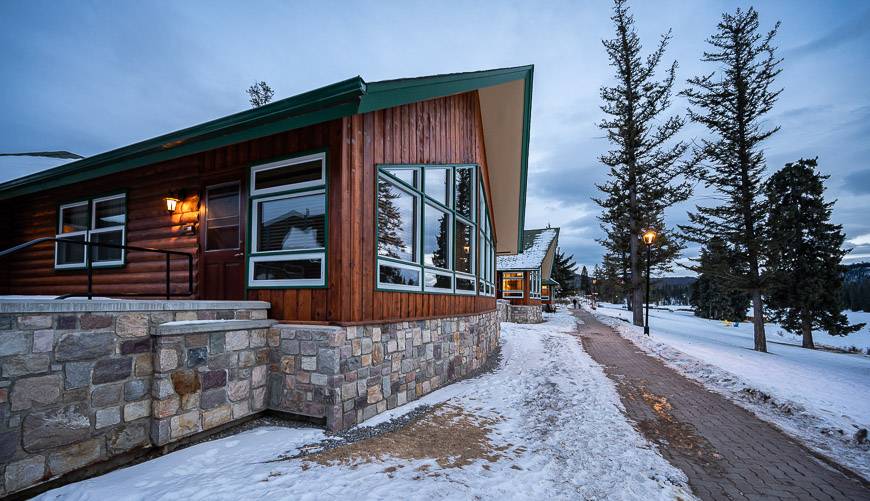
[818, 396]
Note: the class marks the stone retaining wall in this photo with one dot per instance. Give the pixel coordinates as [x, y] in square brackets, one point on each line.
[350, 374]
[503, 307]
[77, 377]
[208, 374]
[525, 314]
[83, 382]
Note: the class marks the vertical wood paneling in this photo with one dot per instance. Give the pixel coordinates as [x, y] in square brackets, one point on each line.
[446, 130]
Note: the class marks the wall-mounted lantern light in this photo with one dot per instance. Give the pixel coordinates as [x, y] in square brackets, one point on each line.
[171, 202]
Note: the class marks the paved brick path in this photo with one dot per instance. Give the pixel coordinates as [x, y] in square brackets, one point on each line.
[726, 452]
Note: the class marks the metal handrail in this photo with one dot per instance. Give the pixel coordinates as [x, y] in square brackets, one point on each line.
[90, 263]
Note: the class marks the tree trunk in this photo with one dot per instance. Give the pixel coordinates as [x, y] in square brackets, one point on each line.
[636, 284]
[758, 321]
[807, 331]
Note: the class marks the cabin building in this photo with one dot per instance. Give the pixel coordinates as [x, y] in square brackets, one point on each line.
[522, 277]
[340, 244]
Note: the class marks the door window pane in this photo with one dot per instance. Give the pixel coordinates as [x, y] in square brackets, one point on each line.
[222, 222]
[437, 184]
[397, 222]
[291, 223]
[436, 238]
[304, 172]
[108, 213]
[464, 191]
[398, 275]
[289, 269]
[74, 218]
[463, 247]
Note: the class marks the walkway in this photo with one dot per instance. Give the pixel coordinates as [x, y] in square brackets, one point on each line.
[726, 452]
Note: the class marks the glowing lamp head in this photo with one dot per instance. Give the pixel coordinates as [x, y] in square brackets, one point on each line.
[171, 203]
[649, 236]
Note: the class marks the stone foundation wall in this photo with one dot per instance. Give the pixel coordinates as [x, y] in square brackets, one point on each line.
[350, 374]
[82, 382]
[77, 378]
[525, 314]
[208, 374]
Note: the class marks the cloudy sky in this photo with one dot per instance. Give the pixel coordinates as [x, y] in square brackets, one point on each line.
[92, 76]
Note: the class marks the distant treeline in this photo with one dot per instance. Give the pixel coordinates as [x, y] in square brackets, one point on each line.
[856, 287]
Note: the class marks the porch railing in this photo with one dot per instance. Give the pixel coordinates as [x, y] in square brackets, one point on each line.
[89, 260]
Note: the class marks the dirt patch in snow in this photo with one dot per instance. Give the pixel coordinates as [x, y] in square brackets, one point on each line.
[446, 434]
[681, 437]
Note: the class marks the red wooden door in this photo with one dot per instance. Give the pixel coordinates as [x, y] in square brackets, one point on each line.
[222, 237]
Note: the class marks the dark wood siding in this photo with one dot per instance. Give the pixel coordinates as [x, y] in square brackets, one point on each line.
[446, 130]
[148, 223]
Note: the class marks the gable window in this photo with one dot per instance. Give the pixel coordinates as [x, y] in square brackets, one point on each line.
[288, 223]
[427, 228]
[100, 220]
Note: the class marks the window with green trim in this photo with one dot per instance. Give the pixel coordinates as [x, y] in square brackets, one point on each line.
[288, 223]
[512, 284]
[99, 220]
[428, 228]
[535, 284]
[486, 256]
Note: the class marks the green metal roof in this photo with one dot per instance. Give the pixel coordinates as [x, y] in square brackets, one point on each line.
[337, 100]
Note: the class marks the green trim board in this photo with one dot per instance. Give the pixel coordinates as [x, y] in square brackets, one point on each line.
[341, 99]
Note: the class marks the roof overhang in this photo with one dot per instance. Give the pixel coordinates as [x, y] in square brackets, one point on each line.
[549, 259]
[505, 101]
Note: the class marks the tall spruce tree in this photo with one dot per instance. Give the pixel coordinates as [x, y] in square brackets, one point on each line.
[563, 272]
[645, 168]
[714, 294]
[803, 274]
[732, 103]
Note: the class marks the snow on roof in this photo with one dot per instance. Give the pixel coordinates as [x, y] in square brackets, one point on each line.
[536, 243]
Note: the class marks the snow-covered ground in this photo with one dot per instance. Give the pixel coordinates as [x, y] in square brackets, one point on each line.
[546, 424]
[817, 396]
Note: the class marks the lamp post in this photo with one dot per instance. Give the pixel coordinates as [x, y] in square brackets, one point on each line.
[649, 236]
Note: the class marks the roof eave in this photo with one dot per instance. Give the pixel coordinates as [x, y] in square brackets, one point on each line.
[323, 104]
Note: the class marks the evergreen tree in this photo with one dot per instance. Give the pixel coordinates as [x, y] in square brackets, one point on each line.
[714, 295]
[585, 283]
[259, 94]
[732, 103]
[804, 250]
[644, 164]
[563, 272]
[855, 293]
[390, 241]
